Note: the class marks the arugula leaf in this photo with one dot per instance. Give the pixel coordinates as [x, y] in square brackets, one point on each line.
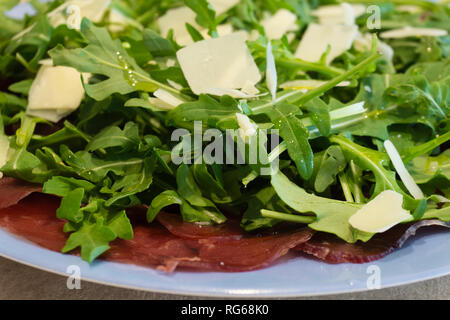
[295, 135]
[441, 214]
[332, 215]
[126, 139]
[133, 183]
[368, 159]
[207, 109]
[62, 186]
[265, 199]
[164, 199]
[428, 99]
[105, 57]
[194, 33]
[21, 166]
[70, 206]
[320, 115]
[95, 169]
[37, 39]
[206, 16]
[331, 164]
[426, 168]
[190, 191]
[92, 238]
[157, 45]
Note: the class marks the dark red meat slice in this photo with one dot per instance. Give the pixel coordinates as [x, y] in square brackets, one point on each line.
[13, 190]
[152, 245]
[334, 250]
[227, 231]
[245, 254]
[34, 218]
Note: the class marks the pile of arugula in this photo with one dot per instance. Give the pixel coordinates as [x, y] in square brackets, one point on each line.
[113, 153]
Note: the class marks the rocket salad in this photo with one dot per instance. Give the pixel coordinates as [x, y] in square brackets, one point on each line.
[357, 94]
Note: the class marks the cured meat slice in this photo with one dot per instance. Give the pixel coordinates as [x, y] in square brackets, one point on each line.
[245, 254]
[153, 246]
[34, 218]
[229, 230]
[331, 249]
[13, 190]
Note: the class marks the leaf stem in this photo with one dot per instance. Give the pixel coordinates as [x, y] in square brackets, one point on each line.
[426, 147]
[287, 217]
[299, 97]
[309, 66]
[345, 187]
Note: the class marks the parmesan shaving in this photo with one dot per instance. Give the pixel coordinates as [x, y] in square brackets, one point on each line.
[168, 98]
[407, 179]
[282, 22]
[317, 38]
[381, 213]
[55, 93]
[271, 73]
[413, 32]
[222, 63]
[247, 129]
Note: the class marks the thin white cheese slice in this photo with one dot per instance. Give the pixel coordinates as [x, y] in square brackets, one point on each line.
[168, 98]
[177, 18]
[175, 85]
[381, 213]
[413, 32]
[56, 88]
[317, 37]
[224, 63]
[338, 14]
[279, 24]
[271, 72]
[50, 115]
[4, 148]
[160, 104]
[222, 6]
[250, 89]
[222, 30]
[247, 128]
[119, 20]
[55, 92]
[91, 9]
[399, 166]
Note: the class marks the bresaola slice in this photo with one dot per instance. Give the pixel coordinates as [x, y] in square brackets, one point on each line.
[230, 230]
[34, 218]
[13, 190]
[245, 254]
[331, 249]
